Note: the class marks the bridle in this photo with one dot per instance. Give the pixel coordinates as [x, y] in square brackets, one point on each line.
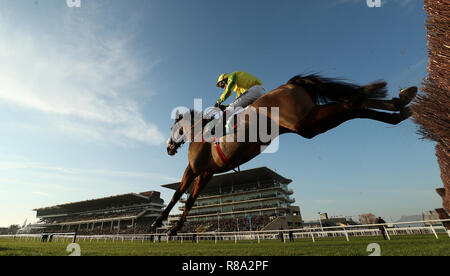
[176, 145]
[193, 125]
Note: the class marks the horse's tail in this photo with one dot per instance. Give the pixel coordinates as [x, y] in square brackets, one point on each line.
[325, 90]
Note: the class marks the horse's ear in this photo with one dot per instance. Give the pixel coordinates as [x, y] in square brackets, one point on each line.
[177, 115]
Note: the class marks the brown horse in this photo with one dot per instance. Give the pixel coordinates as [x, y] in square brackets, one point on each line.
[308, 106]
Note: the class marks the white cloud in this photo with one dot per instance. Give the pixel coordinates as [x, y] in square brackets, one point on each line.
[21, 163]
[83, 78]
[402, 3]
[13, 182]
[40, 194]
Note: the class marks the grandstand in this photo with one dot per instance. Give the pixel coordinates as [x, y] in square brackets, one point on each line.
[231, 202]
[121, 214]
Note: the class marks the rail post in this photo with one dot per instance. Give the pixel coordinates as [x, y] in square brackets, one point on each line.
[434, 232]
[387, 233]
[346, 234]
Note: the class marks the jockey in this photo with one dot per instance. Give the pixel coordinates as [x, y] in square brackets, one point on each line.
[247, 87]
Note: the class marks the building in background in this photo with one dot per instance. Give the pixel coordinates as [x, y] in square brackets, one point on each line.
[128, 213]
[326, 221]
[258, 199]
[367, 218]
[430, 216]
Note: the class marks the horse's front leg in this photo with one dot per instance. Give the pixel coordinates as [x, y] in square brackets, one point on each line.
[395, 104]
[323, 118]
[329, 116]
[202, 180]
[188, 177]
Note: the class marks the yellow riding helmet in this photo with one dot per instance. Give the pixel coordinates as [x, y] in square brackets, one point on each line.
[221, 78]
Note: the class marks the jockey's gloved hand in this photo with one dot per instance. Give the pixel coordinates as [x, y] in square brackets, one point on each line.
[220, 106]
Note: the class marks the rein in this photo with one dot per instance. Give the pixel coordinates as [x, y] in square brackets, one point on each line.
[217, 145]
[199, 121]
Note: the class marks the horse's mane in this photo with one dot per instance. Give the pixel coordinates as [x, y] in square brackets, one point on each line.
[196, 114]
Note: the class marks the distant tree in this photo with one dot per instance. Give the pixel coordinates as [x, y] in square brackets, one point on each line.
[432, 109]
[367, 218]
[12, 229]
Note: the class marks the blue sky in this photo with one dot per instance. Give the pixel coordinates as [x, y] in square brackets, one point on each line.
[86, 95]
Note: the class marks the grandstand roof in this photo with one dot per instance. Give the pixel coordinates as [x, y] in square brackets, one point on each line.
[95, 204]
[247, 176]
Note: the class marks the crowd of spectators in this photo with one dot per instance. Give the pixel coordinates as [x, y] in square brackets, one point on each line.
[90, 217]
[217, 202]
[228, 225]
[142, 226]
[267, 206]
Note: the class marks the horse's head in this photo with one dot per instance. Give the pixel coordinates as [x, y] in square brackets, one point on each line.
[186, 126]
[178, 134]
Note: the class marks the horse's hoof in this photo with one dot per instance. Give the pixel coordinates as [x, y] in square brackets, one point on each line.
[405, 97]
[172, 232]
[408, 94]
[157, 223]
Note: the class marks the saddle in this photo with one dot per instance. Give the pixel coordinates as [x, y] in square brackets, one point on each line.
[226, 127]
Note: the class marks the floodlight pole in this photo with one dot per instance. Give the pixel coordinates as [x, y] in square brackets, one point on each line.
[218, 223]
[250, 224]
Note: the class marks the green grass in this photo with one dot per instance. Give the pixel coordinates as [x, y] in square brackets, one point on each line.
[424, 245]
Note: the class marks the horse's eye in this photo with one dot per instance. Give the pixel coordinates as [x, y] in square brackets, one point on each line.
[181, 131]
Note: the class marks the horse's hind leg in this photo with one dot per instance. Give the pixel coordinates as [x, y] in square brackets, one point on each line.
[202, 180]
[188, 177]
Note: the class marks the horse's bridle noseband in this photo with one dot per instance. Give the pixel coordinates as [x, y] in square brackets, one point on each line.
[173, 145]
